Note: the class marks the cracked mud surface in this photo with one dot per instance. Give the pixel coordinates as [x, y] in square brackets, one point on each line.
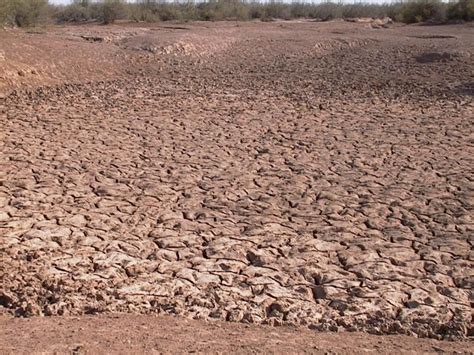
[286, 173]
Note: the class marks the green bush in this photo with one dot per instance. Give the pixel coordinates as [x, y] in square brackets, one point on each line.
[153, 10]
[461, 10]
[23, 13]
[328, 11]
[31, 12]
[421, 11]
[78, 11]
[221, 10]
[108, 11]
[3, 13]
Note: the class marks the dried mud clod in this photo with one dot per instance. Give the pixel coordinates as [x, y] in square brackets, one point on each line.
[435, 57]
[253, 174]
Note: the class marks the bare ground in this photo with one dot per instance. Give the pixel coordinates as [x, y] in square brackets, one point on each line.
[289, 173]
[137, 334]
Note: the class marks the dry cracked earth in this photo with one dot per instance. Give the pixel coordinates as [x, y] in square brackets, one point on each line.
[286, 173]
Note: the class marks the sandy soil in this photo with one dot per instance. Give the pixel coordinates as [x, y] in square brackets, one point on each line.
[288, 173]
[138, 334]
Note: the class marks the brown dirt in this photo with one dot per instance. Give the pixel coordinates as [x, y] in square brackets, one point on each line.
[288, 173]
[126, 334]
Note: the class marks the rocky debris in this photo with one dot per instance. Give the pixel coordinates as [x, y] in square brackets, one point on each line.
[435, 57]
[372, 22]
[381, 23]
[433, 36]
[93, 38]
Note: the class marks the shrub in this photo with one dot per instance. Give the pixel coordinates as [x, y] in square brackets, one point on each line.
[22, 13]
[394, 11]
[153, 10]
[111, 10]
[3, 13]
[328, 11]
[78, 11]
[424, 10]
[461, 10]
[30, 12]
[221, 10]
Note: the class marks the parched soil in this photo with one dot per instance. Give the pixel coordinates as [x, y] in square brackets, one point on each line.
[139, 334]
[287, 173]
